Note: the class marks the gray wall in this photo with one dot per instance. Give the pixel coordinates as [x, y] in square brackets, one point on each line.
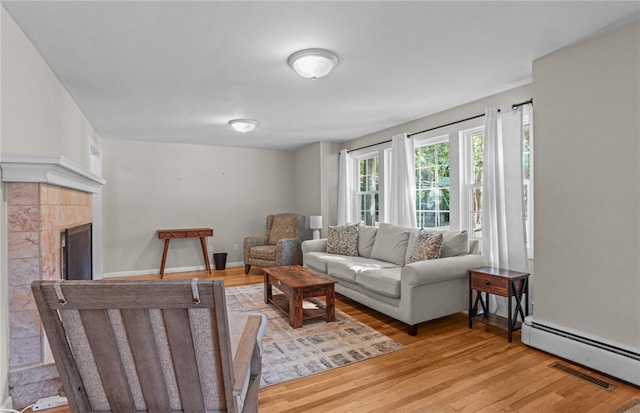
[152, 186]
[587, 186]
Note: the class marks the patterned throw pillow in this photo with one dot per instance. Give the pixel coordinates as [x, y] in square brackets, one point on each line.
[427, 247]
[343, 240]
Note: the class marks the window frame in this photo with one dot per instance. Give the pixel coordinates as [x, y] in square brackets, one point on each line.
[382, 152]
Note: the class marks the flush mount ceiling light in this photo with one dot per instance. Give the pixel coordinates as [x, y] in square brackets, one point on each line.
[243, 125]
[313, 63]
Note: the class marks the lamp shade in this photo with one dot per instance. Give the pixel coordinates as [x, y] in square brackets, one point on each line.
[315, 222]
[313, 63]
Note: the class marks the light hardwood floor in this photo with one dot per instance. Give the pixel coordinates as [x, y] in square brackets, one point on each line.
[445, 368]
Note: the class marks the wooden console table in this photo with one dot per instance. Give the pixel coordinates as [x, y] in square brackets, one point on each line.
[169, 234]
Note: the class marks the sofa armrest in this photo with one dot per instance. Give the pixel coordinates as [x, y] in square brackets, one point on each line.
[314, 245]
[288, 252]
[441, 269]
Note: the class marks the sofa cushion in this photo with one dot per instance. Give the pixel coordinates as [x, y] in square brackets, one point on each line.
[366, 238]
[427, 246]
[346, 268]
[384, 281]
[318, 260]
[391, 243]
[343, 240]
[283, 226]
[454, 243]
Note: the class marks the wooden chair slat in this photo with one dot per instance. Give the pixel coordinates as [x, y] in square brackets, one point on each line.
[184, 359]
[137, 324]
[67, 367]
[119, 321]
[109, 364]
[91, 294]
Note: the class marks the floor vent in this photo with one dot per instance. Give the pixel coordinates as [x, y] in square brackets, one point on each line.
[593, 380]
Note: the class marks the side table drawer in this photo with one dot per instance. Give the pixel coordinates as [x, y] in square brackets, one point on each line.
[490, 284]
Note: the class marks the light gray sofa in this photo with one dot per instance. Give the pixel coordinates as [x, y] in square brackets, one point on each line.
[382, 277]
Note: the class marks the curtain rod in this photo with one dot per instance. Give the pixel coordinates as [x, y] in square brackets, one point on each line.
[513, 107]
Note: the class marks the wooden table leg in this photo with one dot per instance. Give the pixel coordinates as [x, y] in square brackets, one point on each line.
[330, 303]
[203, 243]
[296, 317]
[267, 289]
[164, 257]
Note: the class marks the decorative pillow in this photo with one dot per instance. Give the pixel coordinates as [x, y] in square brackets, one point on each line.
[391, 243]
[366, 238]
[343, 240]
[427, 247]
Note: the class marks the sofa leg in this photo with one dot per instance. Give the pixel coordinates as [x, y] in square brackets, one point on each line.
[413, 330]
[247, 267]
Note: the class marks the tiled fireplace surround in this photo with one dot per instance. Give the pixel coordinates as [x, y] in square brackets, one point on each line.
[44, 196]
[36, 215]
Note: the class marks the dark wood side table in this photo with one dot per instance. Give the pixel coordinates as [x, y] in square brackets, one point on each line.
[169, 234]
[505, 283]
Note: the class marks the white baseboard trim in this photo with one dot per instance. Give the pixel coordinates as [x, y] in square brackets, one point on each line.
[166, 270]
[8, 404]
[609, 358]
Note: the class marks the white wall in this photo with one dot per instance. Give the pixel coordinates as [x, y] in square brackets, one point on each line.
[39, 117]
[308, 183]
[152, 186]
[516, 95]
[587, 186]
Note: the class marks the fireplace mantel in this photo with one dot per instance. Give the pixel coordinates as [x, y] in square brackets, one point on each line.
[55, 170]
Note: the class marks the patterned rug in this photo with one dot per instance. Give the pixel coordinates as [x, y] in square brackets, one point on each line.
[318, 346]
[632, 406]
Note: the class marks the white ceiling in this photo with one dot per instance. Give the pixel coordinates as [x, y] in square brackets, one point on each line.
[178, 71]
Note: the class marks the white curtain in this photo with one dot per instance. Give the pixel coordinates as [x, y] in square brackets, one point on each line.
[346, 191]
[402, 188]
[503, 225]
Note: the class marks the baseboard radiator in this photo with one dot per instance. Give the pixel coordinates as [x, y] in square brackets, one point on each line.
[615, 361]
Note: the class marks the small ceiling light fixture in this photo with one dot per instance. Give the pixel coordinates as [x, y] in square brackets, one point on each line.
[313, 63]
[243, 125]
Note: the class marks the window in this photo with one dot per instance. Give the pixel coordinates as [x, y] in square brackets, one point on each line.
[433, 192]
[473, 144]
[368, 190]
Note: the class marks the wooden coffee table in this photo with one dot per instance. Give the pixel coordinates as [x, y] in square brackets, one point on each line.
[297, 283]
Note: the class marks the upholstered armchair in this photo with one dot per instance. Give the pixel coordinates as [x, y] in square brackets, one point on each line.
[280, 246]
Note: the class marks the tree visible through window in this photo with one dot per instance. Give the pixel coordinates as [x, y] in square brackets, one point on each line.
[432, 185]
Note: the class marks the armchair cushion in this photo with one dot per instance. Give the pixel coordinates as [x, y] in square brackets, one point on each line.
[264, 252]
[283, 226]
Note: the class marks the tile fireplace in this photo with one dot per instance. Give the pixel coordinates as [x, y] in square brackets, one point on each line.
[37, 214]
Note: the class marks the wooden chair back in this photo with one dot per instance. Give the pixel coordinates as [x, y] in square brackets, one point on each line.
[141, 346]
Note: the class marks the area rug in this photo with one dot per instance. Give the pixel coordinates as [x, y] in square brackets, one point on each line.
[318, 346]
[632, 406]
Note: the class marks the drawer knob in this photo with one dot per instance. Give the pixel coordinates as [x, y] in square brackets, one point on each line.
[487, 283]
